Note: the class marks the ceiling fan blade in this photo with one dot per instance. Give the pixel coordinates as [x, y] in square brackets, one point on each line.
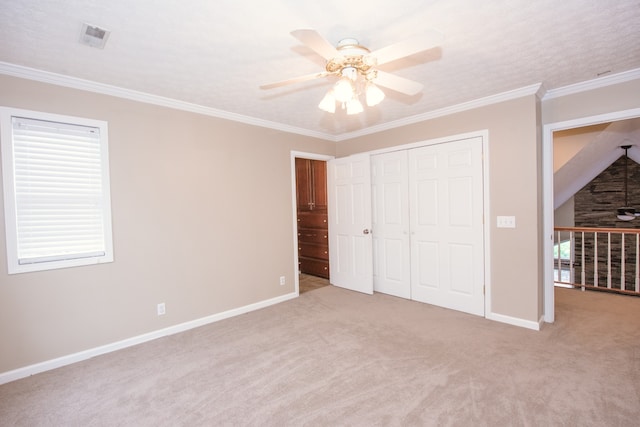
[295, 80]
[597, 214]
[408, 47]
[399, 84]
[313, 40]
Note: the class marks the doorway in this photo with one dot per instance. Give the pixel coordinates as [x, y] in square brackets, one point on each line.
[548, 194]
[309, 182]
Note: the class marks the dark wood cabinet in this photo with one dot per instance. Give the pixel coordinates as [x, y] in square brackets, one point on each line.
[311, 189]
[311, 184]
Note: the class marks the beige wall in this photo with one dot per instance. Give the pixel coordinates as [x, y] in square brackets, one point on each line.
[613, 98]
[514, 189]
[202, 220]
[564, 215]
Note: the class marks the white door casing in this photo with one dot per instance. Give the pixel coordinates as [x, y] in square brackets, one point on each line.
[390, 218]
[349, 215]
[447, 238]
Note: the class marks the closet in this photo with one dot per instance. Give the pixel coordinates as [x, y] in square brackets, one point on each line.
[311, 200]
[427, 221]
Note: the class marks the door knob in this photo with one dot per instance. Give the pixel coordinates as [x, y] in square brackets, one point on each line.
[365, 231]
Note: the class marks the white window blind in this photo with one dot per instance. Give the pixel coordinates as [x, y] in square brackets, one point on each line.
[61, 199]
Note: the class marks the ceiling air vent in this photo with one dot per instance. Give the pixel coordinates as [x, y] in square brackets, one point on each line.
[94, 36]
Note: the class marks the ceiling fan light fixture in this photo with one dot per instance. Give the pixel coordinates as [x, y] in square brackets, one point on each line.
[354, 106]
[350, 73]
[328, 103]
[374, 95]
[343, 90]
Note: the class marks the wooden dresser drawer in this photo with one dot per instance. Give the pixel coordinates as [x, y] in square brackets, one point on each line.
[314, 266]
[313, 250]
[312, 235]
[312, 220]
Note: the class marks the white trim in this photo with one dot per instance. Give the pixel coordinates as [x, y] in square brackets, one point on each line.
[91, 86]
[487, 223]
[294, 206]
[535, 89]
[7, 114]
[598, 83]
[457, 137]
[37, 368]
[547, 193]
[515, 321]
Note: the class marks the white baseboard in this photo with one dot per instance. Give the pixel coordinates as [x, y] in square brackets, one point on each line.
[37, 368]
[515, 321]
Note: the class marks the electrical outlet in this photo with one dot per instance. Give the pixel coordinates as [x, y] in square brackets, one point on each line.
[282, 280]
[161, 309]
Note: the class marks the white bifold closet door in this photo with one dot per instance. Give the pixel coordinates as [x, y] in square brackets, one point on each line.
[390, 218]
[428, 224]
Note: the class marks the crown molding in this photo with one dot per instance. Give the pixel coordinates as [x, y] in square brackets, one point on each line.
[91, 86]
[598, 83]
[104, 89]
[535, 89]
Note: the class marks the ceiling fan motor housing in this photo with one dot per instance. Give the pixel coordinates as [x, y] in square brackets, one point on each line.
[352, 55]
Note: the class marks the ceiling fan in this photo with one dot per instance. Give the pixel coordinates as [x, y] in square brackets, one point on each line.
[626, 213]
[356, 67]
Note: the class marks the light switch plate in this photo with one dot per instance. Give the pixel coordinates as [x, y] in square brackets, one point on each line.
[506, 222]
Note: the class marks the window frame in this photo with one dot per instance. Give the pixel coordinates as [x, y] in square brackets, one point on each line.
[9, 194]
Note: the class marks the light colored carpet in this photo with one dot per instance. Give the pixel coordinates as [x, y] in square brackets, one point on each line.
[334, 357]
[308, 283]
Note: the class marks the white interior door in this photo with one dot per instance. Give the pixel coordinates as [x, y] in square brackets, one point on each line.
[447, 241]
[390, 218]
[349, 214]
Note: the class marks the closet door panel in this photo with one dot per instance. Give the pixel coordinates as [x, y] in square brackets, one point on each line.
[426, 265]
[447, 243]
[461, 279]
[390, 195]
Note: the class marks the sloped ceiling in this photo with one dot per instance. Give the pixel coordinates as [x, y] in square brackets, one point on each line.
[595, 157]
[216, 54]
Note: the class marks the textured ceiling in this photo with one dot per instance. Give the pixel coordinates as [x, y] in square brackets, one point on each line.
[216, 54]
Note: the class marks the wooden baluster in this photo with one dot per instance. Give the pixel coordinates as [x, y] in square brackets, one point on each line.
[622, 261]
[584, 273]
[608, 260]
[595, 259]
[572, 273]
[637, 262]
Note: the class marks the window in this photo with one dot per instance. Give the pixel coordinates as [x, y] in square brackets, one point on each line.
[562, 272]
[56, 190]
[562, 250]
